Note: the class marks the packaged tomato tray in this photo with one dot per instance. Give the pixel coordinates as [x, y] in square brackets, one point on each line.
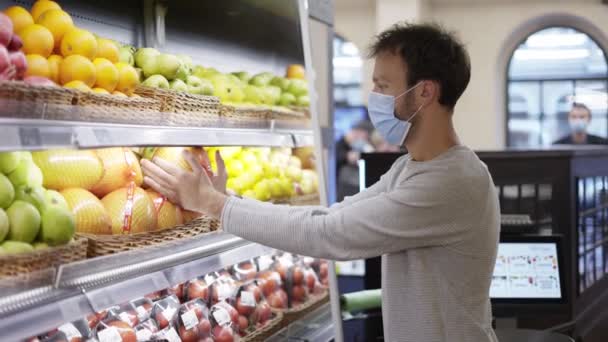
[145, 330]
[193, 324]
[197, 288]
[177, 291]
[270, 282]
[165, 311]
[221, 286]
[224, 322]
[246, 270]
[76, 331]
[126, 313]
[115, 330]
[253, 310]
[143, 307]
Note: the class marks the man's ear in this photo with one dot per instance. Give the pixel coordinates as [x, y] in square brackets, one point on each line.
[430, 91]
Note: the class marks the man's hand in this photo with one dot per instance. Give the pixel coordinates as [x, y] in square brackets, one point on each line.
[199, 190]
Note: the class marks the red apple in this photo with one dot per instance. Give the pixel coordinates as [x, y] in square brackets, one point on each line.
[126, 332]
[6, 29]
[18, 60]
[15, 44]
[5, 60]
[37, 80]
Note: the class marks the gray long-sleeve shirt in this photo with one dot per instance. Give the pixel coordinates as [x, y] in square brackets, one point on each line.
[436, 225]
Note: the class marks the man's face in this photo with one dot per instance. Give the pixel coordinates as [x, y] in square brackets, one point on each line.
[390, 78]
[579, 114]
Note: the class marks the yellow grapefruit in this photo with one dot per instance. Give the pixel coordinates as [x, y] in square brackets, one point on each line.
[37, 39]
[128, 79]
[37, 66]
[62, 169]
[19, 16]
[120, 168]
[77, 41]
[142, 216]
[106, 74]
[54, 63]
[106, 48]
[91, 216]
[77, 68]
[42, 6]
[58, 22]
[101, 91]
[168, 215]
[78, 85]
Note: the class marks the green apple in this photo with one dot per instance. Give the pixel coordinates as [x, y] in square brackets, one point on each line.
[57, 227]
[262, 190]
[24, 221]
[183, 72]
[280, 82]
[40, 245]
[303, 101]
[26, 173]
[4, 225]
[199, 86]
[272, 94]
[276, 191]
[144, 55]
[168, 65]
[26, 155]
[125, 55]
[287, 99]
[156, 81]
[222, 88]
[178, 85]
[7, 192]
[16, 247]
[244, 76]
[253, 94]
[33, 195]
[202, 72]
[298, 87]
[237, 94]
[9, 161]
[186, 60]
[261, 79]
[150, 67]
[55, 199]
[140, 74]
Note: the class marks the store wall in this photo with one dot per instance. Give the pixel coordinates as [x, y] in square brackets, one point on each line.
[485, 27]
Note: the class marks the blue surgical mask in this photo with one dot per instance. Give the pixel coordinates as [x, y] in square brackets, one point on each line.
[381, 109]
[578, 125]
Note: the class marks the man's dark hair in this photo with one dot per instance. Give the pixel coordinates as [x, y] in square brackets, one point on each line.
[581, 106]
[430, 53]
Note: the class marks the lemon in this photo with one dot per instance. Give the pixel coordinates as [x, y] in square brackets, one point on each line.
[77, 41]
[106, 74]
[37, 66]
[100, 91]
[128, 79]
[107, 48]
[19, 16]
[54, 63]
[77, 85]
[42, 6]
[79, 68]
[56, 21]
[37, 39]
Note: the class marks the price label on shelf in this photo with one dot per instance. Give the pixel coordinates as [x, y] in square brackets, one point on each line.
[110, 334]
[30, 137]
[247, 298]
[70, 331]
[171, 335]
[168, 313]
[189, 319]
[141, 312]
[221, 316]
[223, 291]
[143, 335]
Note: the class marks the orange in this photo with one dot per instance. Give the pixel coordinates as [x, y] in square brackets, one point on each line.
[54, 63]
[42, 6]
[106, 48]
[100, 91]
[37, 66]
[19, 16]
[118, 93]
[106, 74]
[128, 79]
[77, 41]
[37, 39]
[79, 85]
[58, 22]
[79, 68]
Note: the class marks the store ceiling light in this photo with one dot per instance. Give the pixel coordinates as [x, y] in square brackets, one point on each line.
[550, 54]
[556, 40]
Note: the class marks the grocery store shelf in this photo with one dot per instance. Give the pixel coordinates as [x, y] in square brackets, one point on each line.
[317, 326]
[93, 285]
[32, 134]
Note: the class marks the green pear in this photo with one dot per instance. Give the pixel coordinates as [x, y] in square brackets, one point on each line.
[287, 99]
[272, 94]
[54, 198]
[237, 94]
[199, 86]
[186, 60]
[183, 72]
[261, 79]
[9, 161]
[33, 195]
[222, 87]
[280, 82]
[202, 72]
[156, 81]
[7, 192]
[4, 225]
[253, 94]
[150, 67]
[57, 227]
[140, 74]
[26, 155]
[26, 173]
[144, 54]
[298, 87]
[168, 65]
[40, 245]
[244, 76]
[16, 247]
[125, 55]
[178, 85]
[24, 221]
[303, 101]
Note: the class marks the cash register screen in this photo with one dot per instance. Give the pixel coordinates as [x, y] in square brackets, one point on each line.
[526, 270]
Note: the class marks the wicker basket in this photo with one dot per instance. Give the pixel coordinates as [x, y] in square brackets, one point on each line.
[14, 265]
[109, 244]
[288, 114]
[116, 109]
[184, 109]
[296, 313]
[245, 116]
[260, 335]
[26, 101]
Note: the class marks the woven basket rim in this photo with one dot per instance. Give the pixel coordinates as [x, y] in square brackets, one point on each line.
[273, 325]
[78, 242]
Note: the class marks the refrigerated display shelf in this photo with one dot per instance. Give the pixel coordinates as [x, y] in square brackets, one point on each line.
[316, 326]
[93, 285]
[34, 134]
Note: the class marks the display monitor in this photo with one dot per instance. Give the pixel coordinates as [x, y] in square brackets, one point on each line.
[528, 268]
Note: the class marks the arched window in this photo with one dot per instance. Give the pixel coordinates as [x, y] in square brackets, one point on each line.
[549, 70]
